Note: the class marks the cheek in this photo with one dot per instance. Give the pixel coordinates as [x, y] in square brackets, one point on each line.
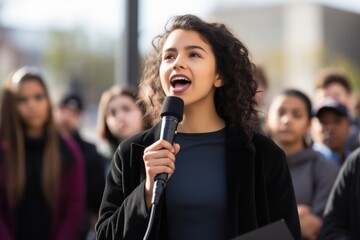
[164, 76]
[135, 118]
[110, 122]
[273, 122]
[21, 109]
[343, 128]
[45, 108]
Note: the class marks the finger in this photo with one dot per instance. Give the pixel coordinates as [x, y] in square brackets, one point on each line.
[160, 144]
[160, 162]
[176, 148]
[164, 153]
[153, 171]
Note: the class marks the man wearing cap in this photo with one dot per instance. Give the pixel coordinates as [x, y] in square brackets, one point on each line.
[335, 83]
[68, 119]
[330, 129]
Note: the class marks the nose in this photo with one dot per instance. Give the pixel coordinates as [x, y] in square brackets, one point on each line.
[328, 127]
[285, 119]
[179, 62]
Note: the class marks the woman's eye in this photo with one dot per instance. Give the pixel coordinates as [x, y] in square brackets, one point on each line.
[22, 100]
[111, 113]
[194, 55]
[39, 97]
[281, 112]
[126, 109]
[168, 56]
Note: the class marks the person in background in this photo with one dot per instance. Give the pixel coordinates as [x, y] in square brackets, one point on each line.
[68, 118]
[42, 185]
[357, 114]
[260, 98]
[334, 83]
[342, 212]
[330, 130]
[119, 117]
[228, 179]
[288, 123]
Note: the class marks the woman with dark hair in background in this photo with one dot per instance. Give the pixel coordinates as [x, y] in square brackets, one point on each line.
[42, 192]
[288, 123]
[228, 179]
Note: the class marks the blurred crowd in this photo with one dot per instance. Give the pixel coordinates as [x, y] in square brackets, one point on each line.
[52, 178]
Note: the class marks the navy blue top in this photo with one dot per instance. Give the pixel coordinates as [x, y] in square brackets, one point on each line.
[196, 192]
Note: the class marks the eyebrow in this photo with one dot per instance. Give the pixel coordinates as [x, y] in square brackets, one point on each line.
[190, 47]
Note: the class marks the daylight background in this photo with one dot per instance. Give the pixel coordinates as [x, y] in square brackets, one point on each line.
[79, 44]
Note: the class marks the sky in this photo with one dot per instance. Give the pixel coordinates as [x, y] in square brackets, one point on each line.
[107, 17]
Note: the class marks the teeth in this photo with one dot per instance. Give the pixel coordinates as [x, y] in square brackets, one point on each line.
[180, 78]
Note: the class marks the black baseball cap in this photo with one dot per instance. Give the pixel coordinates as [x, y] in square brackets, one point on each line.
[72, 101]
[332, 105]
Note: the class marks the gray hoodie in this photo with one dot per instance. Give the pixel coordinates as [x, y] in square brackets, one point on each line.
[313, 177]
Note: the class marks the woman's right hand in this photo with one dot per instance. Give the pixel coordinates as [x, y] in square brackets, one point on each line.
[158, 158]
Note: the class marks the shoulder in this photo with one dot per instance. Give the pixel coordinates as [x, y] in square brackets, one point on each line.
[352, 163]
[85, 145]
[70, 151]
[144, 138]
[323, 163]
[354, 157]
[265, 145]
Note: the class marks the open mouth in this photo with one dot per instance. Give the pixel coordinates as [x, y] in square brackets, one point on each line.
[179, 82]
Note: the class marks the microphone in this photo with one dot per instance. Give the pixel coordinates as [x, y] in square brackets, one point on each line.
[171, 114]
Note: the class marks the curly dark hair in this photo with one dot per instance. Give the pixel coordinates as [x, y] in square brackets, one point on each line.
[234, 100]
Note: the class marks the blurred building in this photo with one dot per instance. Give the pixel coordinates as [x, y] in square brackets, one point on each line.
[294, 40]
[19, 48]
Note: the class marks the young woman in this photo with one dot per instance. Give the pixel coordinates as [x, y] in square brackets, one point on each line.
[288, 123]
[119, 116]
[227, 181]
[42, 192]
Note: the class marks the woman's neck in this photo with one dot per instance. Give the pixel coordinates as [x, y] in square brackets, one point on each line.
[34, 132]
[292, 147]
[201, 120]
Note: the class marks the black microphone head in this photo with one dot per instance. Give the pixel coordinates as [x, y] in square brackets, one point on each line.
[173, 106]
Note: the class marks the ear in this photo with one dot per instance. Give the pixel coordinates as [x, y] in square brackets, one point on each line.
[218, 81]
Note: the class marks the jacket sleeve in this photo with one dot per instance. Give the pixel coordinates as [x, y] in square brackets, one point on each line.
[342, 198]
[123, 212]
[280, 192]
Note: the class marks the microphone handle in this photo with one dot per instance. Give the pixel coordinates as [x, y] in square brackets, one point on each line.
[168, 130]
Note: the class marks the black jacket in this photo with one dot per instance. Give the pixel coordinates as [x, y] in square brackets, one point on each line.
[342, 213]
[94, 172]
[260, 189]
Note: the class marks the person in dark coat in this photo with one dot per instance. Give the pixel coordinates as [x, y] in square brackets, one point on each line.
[68, 116]
[342, 212]
[228, 180]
